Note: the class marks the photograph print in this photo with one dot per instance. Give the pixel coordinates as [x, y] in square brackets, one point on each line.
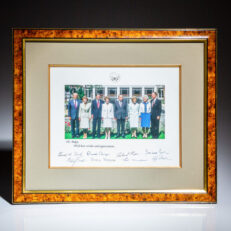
[114, 116]
[114, 112]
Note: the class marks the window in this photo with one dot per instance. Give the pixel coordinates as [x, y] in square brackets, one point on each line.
[112, 92]
[124, 91]
[137, 92]
[148, 91]
[88, 92]
[161, 93]
[100, 91]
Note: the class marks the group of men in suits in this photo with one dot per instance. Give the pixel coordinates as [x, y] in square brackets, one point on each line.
[120, 115]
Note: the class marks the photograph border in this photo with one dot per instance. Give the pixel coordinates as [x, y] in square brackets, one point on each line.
[206, 36]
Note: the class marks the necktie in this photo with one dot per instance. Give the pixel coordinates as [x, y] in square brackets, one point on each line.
[98, 104]
[75, 104]
[153, 102]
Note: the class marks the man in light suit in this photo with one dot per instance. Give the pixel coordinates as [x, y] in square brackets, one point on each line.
[120, 114]
[73, 113]
[96, 114]
[155, 115]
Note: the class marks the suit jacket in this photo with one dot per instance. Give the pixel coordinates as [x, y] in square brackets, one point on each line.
[155, 109]
[107, 111]
[120, 112]
[72, 111]
[95, 111]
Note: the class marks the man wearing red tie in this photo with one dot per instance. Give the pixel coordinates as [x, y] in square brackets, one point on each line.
[73, 113]
[155, 115]
[96, 113]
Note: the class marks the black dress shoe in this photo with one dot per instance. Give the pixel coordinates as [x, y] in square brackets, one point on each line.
[118, 136]
[77, 136]
[98, 137]
[123, 136]
[73, 137]
[93, 137]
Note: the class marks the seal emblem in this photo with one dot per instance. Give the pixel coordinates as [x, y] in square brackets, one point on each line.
[114, 76]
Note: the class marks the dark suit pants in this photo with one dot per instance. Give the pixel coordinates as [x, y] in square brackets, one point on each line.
[120, 126]
[155, 127]
[75, 127]
[96, 122]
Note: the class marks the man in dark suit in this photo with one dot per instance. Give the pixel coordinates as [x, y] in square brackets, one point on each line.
[155, 115]
[96, 114]
[73, 113]
[120, 114]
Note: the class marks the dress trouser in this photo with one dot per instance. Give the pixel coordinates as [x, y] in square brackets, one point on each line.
[155, 127]
[96, 122]
[75, 127]
[120, 124]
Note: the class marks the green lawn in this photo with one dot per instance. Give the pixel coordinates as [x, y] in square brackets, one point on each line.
[113, 136]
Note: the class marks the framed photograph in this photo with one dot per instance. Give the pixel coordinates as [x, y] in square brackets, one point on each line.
[109, 115]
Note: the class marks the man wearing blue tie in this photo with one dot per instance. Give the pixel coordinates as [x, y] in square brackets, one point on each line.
[121, 114]
[73, 113]
[96, 114]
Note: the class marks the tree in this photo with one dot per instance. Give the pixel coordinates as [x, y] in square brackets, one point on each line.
[80, 92]
[67, 88]
[78, 89]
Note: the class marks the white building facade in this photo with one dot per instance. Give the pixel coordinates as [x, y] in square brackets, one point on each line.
[127, 91]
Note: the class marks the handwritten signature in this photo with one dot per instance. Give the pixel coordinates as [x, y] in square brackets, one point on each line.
[99, 156]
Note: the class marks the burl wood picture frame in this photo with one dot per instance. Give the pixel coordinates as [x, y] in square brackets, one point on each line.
[208, 37]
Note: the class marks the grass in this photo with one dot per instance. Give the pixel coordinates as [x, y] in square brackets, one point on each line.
[113, 136]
